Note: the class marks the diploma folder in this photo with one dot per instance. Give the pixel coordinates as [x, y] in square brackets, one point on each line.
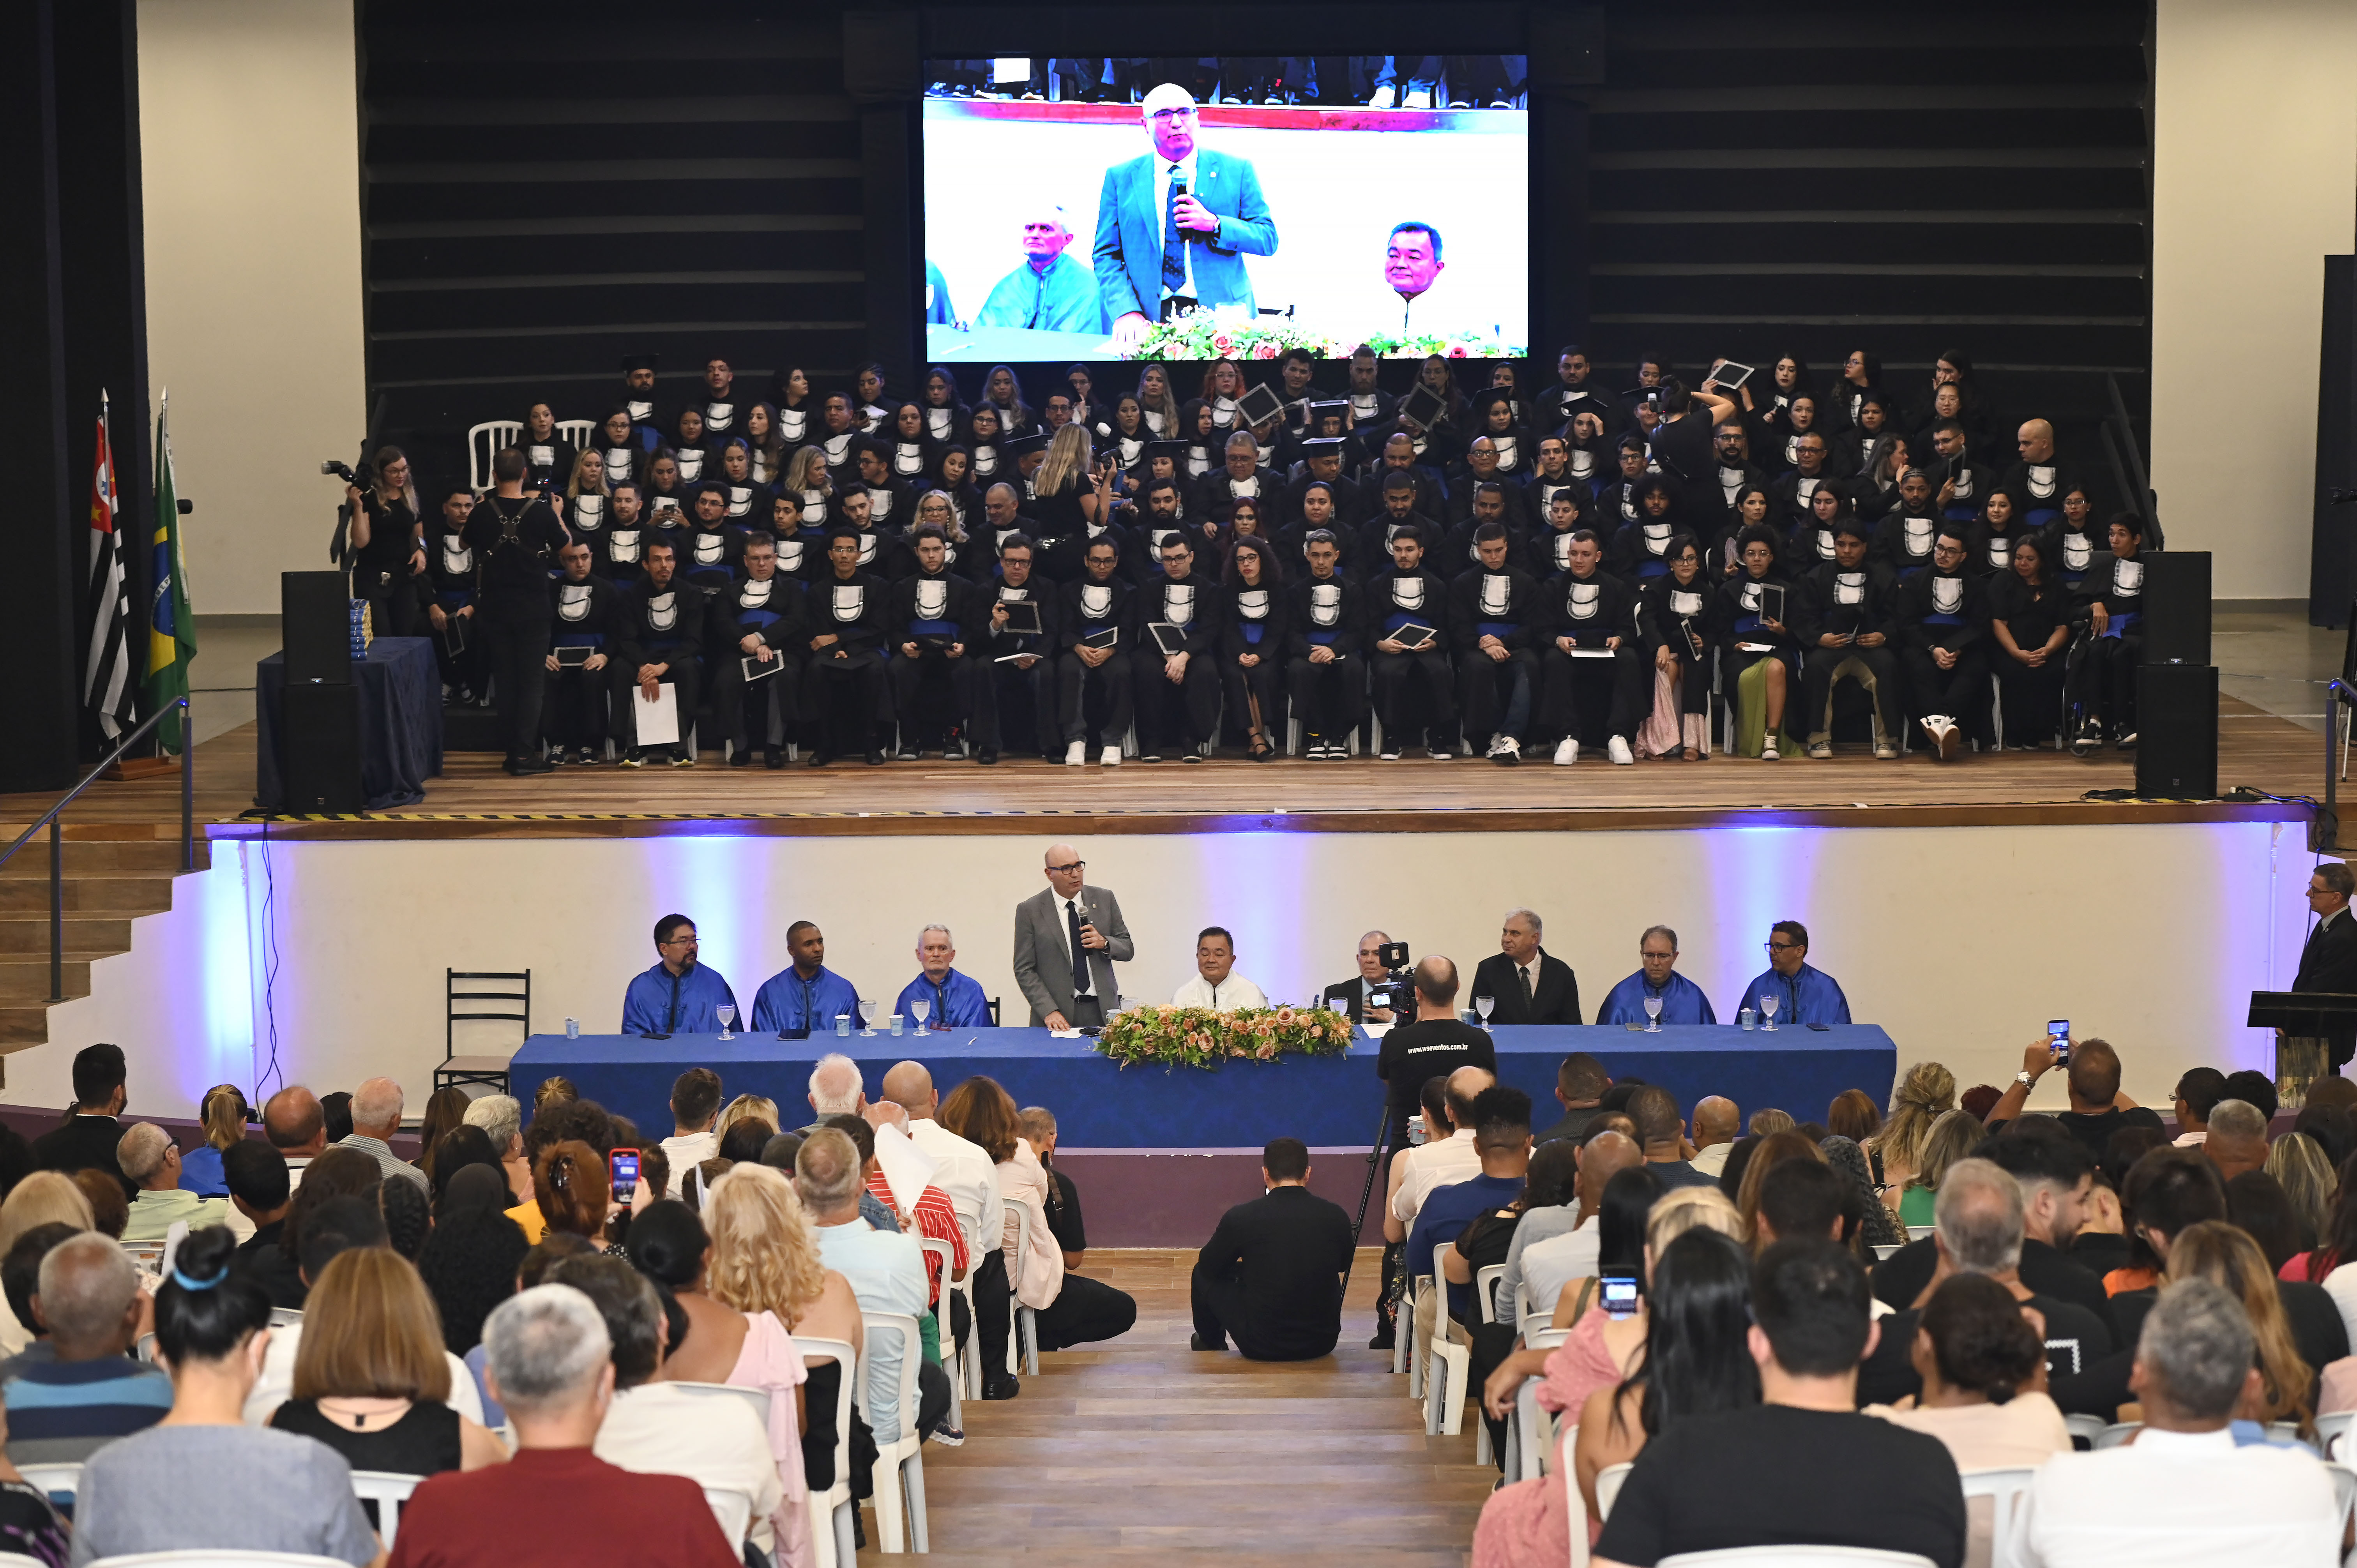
[1414, 634]
[1731, 375]
[572, 656]
[1259, 405]
[756, 671]
[1022, 616]
[1166, 636]
[1771, 602]
[1421, 407]
[1108, 638]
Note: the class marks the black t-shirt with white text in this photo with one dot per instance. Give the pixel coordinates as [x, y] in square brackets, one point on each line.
[1434, 1047]
[1776, 1475]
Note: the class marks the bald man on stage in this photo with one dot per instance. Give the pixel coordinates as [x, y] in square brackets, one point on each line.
[678, 996]
[1068, 937]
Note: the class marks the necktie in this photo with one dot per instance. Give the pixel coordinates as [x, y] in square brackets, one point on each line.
[1079, 953]
[941, 1005]
[807, 1022]
[1174, 239]
[670, 1022]
[1526, 987]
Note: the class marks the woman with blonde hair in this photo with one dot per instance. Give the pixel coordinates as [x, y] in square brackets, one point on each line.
[753, 1107]
[41, 1199]
[222, 1114]
[1160, 404]
[1953, 1137]
[808, 485]
[1927, 1092]
[2299, 1163]
[2225, 1255]
[372, 1375]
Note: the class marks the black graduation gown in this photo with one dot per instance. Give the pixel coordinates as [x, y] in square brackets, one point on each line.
[2038, 488]
[1946, 610]
[1738, 622]
[1904, 540]
[2078, 557]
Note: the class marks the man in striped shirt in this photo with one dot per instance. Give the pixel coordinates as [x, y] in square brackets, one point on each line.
[62, 1411]
[930, 1217]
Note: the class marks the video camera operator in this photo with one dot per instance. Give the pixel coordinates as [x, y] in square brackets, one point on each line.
[1369, 996]
[386, 547]
[516, 538]
[1436, 1045]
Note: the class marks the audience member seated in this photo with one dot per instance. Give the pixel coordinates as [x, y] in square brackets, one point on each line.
[373, 1379]
[2197, 1092]
[202, 1476]
[20, 1281]
[296, 1124]
[1716, 1122]
[1579, 1086]
[2302, 1165]
[552, 1368]
[743, 1290]
[1038, 1124]
[88, 1138]
[1662, 1131]
[1926, 1091]
[1071, 1308]
[1502, 1142]
[1271, 1275]
[501, 1119]
[1554, 1203]
[376, 1117]
[2237, 1140]
[87, 1391]
[221, 1115]
[694, 1106]
[2056, 1176]
[1952, 1137]
[968, 1175]
[656, 1427]
[2098, 1109]
[1810, 1328]
[1216, 985]
[108, 1213]
[886, 1274]
[152, 1161]
[42, 1198]
[258, 1182]
[1804, 993]
[928, 1216]
[470, 1262]
[2195, 1368]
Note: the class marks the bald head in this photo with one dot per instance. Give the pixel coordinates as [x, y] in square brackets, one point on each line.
[2036, 441]
[1436, 987]
[294, 1123]
[910, 1087]
[1465, 1085]
[1716, 1120]
[1604, 1156]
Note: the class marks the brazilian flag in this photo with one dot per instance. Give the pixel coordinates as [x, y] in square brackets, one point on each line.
[171, 629]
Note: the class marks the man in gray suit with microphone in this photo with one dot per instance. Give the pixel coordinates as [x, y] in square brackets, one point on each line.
[1068, 937]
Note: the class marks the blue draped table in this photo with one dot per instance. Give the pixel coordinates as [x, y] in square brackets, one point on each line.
[401, 723]
[1325, 1101]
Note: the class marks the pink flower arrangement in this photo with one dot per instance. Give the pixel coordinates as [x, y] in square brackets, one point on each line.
[1199, 1038]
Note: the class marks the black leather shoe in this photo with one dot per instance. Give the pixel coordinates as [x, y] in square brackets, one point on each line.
[875, 759]
[1384, 1341]
[776, 757]
[988, 757]
[1000, 1386]
[741, 758]
[1195, 1342]
[821, 758]
[525, 766]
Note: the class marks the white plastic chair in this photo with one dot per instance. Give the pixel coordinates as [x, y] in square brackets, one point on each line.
[1486, 1281]
[1797, 1557]
[285, 1316]
[1918, 1232]
[1533, 1434]
[1451, 1364]
[970, 1361]
[2118, 1432]
[755, 1400]
[830, 1510]
[953, 1361]
[2330, 1430]
[2090, 1427]
[483, 443]
[53, 1481]
[899, 1460]
[218, 1557]
[1576, 1511]
[2004, 1489]
[734, 1511]
[388, 1492]
[576, 434]
[1608, 1488]
[1416, 1359]
[18, 1560]
[2344, 1491]
[1026, 1325]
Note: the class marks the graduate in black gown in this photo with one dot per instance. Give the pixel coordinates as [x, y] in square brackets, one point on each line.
[639, 399]
[617, 443]
[714, 544]
[1751, 634]
[1796, 490]
[1415, 686]
[1592, 668]
[847, 610]
[1996, 531]
[1960, 487]
[1847, 621]
[1674, 613]
[1252, 645]
[1494, 621]
[1943, 626]
[1904, 538]
[2076, 542]
[945, 415]
[1639, 548]
[446, 595]
[1097, 632]
[549, 455]
[1178, 688]
[2101, 682]
[1018, 699]
[937, 625]
[659, 638]
[573, 698]
[621, 552]
[1326, 673]
[690, 446]
[756, 659]
[2030, 631]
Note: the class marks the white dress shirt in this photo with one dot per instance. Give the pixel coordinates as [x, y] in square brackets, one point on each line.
[1712, 1162]
[1163, 172]
[2176, 1499]
[660, 1429]
[1551, 1266]
[1227, 996]
[686, 1151]
[966, 1172]
[1444, 1163]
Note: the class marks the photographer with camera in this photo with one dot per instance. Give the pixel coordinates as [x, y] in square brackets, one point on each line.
[385, 546]
[516, 538]
[1367, 997]
[1436, 1045]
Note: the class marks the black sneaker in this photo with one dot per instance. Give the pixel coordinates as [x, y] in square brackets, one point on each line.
[681, 758]
[1385, 1340]
[988, 757]
[1000, 1386]
[525, 766]
[586, 758]
[777, 757]
[634, 758]
[741, 757]
[875, 759]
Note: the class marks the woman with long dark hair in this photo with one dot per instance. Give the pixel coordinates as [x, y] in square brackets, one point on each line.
[2030, 621]
[1674, 618]
[1759, 656]
[1252, 644]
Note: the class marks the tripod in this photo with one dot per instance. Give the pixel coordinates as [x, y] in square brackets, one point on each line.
[1367, 1189]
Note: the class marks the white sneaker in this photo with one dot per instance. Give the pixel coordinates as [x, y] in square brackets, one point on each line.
[1567, 752]
[1767, 752]
[1076, 753]
[1110, 757]
[1386, 97]
[1616, 749]
[1416, 98]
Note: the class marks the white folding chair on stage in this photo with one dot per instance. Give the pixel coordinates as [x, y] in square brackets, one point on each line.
[576, 434]
[1026, 1326]
[898, 1460]
[831, 1522]
[388, 1492]
[734, 1511]
[1797, 1557]
[483, 443]
[2004, 1489]
[952, 1360]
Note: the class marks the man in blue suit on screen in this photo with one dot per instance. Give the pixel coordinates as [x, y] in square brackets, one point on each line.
[1174, 226]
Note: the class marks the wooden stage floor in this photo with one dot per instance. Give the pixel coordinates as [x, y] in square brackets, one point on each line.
[474, 799]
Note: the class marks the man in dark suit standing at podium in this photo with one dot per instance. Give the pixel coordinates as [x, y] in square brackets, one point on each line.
[1524, 983]
[1271, 1277]
[2328, 962]
[1351, 995]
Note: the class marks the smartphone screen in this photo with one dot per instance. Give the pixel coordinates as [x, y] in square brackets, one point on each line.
[623, 1167]
[2057, 1035]
[1619, 1291]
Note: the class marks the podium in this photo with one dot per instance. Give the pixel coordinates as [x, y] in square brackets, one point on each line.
[2306, 1021]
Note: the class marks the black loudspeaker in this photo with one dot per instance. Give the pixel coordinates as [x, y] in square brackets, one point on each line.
[2176, 607]
[2176, 731]
[319, 761]
[315, 615]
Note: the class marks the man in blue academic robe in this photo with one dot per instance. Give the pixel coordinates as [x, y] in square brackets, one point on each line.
[678, 996]
[1803, 995]
[805, 994]
[952, 1001]
[1682, 1000]
[1051, 291]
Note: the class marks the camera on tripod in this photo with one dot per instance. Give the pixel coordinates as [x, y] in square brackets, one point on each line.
[361, 479]
[1395, 992]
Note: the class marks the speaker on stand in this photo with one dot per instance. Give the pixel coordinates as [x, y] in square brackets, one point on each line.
[319, 722]
[2177, 686]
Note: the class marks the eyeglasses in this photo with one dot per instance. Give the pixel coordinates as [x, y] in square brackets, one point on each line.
[1074, 867]
[678, 942]
[1166, 116]
[1783, 947]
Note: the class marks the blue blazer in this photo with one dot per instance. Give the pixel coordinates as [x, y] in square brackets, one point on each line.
[1128, 251]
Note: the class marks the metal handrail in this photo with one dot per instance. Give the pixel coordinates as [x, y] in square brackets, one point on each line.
[57, 834]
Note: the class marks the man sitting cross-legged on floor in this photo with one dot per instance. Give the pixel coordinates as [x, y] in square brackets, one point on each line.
[1271, 1274]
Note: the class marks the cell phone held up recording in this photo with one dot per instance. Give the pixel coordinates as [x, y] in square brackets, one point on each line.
[622, 1169]
[1618, 1296]
[2057, 1035]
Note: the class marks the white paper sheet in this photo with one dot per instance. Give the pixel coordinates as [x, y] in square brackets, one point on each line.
[658, 720]
[907, 1168]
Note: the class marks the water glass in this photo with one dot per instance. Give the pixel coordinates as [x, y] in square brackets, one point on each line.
[843, 1024]
[572, 1029]
[921, 1006]
[1745, 1019]
[726, 1014]
[1768, 1011]
[1652, 1015]
[896, 1024]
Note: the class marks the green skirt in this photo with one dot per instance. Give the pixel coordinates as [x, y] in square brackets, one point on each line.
[1751, 712]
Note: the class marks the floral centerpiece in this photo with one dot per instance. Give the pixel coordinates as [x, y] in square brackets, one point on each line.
[1207, 335]
[1199, 1037]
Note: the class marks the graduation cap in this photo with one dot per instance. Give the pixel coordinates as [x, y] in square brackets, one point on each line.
[1334, 408]
[639, 363]
[1024, 445]
[1323, 446]
[1174, 450]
